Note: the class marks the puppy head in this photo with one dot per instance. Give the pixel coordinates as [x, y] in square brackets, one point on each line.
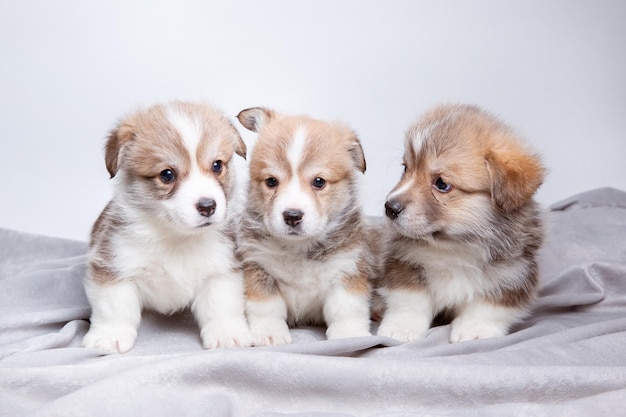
[303, 173]
[462, 167]
[173, 161]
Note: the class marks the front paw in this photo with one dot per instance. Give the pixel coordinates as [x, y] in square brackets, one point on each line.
[112, 338]
[226, 334]
[404, 331]
[347, 330]
[464, 330]
[270, 332]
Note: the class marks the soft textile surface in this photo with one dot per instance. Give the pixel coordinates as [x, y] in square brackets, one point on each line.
[568, 358]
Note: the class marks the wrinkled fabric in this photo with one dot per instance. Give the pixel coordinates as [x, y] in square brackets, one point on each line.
[567, 358]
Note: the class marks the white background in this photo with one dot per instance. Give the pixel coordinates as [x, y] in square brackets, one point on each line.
[69, 69]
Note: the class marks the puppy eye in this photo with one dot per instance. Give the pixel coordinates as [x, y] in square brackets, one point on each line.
[167, 176]
[441, 185]
[319, 183]
[404, 168]
[217, 167]
[271, 182]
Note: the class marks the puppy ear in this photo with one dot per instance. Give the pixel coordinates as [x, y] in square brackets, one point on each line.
[515, 175]
[356, 151]
[255, 118]
[240, 145]
[116, 140]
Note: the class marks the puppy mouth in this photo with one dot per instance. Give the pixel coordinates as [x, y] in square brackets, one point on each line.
[412, 229]
[293, 233]
[182, 224]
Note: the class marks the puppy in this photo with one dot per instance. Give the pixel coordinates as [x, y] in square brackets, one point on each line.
[166, 239]
[303, 238]
[464, 229]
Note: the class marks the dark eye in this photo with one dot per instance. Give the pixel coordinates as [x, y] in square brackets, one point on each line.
[441, 185]
[217, 167]
[167, 176]
[318, 183]
[404, 168]
[271, 182]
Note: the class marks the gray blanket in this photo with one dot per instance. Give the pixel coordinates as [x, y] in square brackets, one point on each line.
[568, 358]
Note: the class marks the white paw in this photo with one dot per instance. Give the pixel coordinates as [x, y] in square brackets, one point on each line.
[112, 338]
[402, 333]
[269, 339]
[346, 330]
[226, 334]
[405, 329]
[269, 333]
[463, 330]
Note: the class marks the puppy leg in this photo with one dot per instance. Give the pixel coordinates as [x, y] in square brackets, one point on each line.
[265, 308]
[115, 316]
[408, 313]
[219, 311]
[347, 314]
[268, 321]
[481, 320]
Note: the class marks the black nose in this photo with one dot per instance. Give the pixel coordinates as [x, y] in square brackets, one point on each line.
[292, 216]
[206, 207]
[393, 208]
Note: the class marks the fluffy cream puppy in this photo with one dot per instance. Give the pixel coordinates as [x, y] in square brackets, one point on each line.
[463, 228]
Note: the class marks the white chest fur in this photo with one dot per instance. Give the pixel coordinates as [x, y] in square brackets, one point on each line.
[167, 271]
[455, 274]
[305, 284]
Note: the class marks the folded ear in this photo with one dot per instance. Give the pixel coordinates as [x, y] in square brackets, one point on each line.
[116, 140]
[515, 175]
[255, 118]
[356, 151]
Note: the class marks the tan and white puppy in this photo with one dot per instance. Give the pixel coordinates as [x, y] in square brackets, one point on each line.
[166, 240]
[303, 241]
[464, 229]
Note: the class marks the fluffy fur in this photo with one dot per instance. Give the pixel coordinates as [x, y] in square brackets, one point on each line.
[463, 228]
[165, 241]
[304, 242]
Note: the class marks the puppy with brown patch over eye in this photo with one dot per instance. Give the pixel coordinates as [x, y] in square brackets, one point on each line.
[304, 241]
[166, 240]
[464, 229]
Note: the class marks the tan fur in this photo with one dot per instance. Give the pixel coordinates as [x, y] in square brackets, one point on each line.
[360, 282]
[143, 140]
[335, 154]
[259, 285]
[477, 154]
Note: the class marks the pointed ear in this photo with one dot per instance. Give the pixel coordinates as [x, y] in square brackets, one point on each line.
[255, 118]
[356, 151]
[240, 145]
[515, 175]
[116, 140]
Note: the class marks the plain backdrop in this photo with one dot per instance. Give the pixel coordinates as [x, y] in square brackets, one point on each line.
[555, 70]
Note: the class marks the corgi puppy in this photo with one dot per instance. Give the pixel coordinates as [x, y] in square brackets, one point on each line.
[166, 240]
[463, 228]
[304, 244]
